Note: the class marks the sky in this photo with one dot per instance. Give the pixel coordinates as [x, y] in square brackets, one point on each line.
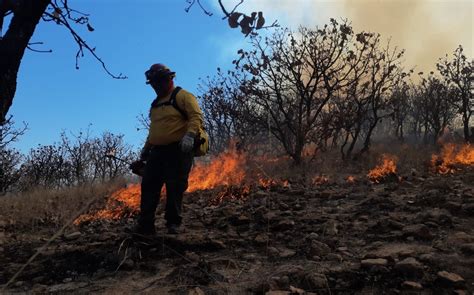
[52, 96]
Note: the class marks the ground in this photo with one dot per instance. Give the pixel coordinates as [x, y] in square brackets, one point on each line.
[408, 235]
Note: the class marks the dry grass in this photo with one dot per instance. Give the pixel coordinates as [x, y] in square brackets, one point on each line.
[41, 207]
[330, 164]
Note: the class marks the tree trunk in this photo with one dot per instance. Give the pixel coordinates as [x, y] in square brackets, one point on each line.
[12, 48]
[465, 120]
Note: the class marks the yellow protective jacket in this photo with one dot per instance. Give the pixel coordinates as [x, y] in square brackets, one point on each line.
[167, 124]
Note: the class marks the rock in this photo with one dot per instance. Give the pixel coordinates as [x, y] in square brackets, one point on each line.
[319, 249]
[261, 239]
[283, 225]
[285, 253]
[468, 209]
[315, 281]
[334, 257]
[273, 252]
[192, 256]
[450, 279]
[67, 280]
[63, 288]
[419, 231]
[295, 290]
[410, 267]
[19, 284]
[277, 292]
[460, 237]
[196, 291]
[73, 236]
[330, 228]
[312, 236]
[240, 220]
[467, 249]
[411, 285]
[374, 262]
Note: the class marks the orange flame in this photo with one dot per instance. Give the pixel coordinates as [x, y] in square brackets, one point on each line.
[386, 167]
[351, 179]
[320, 179]
[226, 170]
[452, 156]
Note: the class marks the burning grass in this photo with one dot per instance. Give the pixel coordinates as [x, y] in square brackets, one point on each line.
[452, 157]
[232, 176]
[387, 167]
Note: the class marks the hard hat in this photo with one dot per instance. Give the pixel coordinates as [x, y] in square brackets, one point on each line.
[158, 71]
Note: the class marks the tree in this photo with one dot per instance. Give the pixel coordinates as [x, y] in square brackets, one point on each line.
[10, 158]
[26, 14]
[435, 98]
[458, 73]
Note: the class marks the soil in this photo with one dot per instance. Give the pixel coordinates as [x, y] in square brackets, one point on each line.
[409, 235]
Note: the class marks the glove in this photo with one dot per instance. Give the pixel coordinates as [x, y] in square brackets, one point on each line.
[187, 143]
[138, 167]
[145, 153]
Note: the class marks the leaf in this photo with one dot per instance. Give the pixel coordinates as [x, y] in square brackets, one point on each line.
[90, 28]
[234, 19]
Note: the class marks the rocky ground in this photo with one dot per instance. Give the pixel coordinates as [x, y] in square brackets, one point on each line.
[414, 236]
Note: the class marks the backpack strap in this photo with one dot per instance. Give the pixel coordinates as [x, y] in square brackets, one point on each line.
[172, 102]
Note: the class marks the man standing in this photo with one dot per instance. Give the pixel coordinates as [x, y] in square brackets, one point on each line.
[175, 119]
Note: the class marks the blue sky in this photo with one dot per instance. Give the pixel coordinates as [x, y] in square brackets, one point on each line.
[53, 96]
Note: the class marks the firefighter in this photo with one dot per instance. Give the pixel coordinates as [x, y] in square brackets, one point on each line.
[167, 156]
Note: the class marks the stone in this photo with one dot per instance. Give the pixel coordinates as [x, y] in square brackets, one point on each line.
[277, 292]
[419, 231]
[285, 224]
[450, 279]
[330, 228]
[315, 281]
[374, 262]
[410, 267]
[312, 236]
[295, 290]
[273, 252]
[411, 285]
[196, 291]
[467, 249]
[334, 257]
[285, 253]
[469, 209]
[261, 239]
[319, 249]
[73, 236]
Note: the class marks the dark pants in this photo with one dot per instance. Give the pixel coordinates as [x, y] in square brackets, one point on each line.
[170, 166]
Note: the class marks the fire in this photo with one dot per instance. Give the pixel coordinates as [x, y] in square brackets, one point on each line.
[226, 171]
[452, 156]
[320, 179]
[121, 204]
[386, 167]
[351, 179]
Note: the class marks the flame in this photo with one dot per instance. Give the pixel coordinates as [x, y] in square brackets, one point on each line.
[320, 179]
[226, 171]
[452, 156]
[121, 204]
[386, 167]
[351, 179]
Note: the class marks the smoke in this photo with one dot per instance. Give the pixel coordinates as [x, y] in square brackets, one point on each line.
[426, 29]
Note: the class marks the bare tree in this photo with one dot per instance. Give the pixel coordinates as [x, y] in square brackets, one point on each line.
[26, 14]
[458, 73]
[10, 159]
[435, 99]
